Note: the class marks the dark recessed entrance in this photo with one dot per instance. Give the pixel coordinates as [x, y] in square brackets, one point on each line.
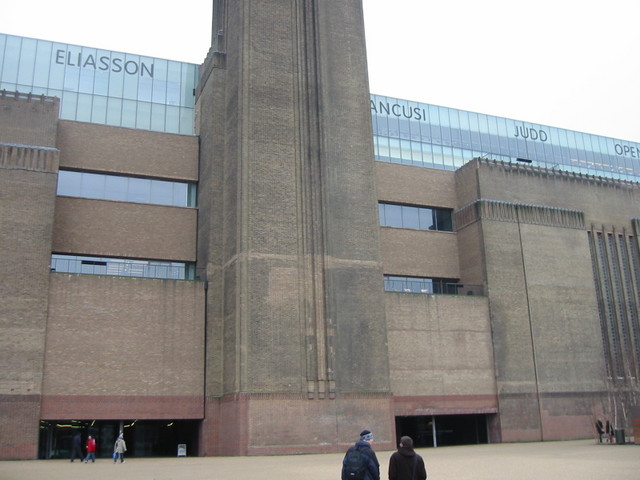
[443, 430]
[145, 438]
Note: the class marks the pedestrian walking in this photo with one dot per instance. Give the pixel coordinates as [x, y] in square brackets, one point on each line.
[119, 448]
[360, 461]
[91, 450]
[600, 429]
[609, 431]
[76, 448]
[405, 463]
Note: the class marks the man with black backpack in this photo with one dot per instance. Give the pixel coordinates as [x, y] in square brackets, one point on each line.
[360, 461]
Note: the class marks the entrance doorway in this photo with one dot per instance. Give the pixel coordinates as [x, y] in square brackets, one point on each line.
[443, 430]
[145, 438]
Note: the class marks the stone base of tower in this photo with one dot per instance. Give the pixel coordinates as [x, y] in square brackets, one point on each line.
[272, 424]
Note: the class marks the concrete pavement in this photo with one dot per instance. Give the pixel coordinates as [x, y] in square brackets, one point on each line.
[569, 460]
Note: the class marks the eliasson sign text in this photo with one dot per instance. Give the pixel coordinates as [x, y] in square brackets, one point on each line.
[104, 62]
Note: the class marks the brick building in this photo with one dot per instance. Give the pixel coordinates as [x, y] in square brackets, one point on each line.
[257, 256]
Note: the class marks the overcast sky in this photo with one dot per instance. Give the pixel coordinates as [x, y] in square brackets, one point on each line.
[566, 63]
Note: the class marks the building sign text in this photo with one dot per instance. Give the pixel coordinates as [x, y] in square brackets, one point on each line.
[105, 63]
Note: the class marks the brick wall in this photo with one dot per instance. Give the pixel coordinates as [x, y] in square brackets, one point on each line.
[20, 427]
[440, 346]
[420, 253]
[121, 229]
[28, 119]
[127, 151]
[415, 185]
[137, 348]
[272, 424]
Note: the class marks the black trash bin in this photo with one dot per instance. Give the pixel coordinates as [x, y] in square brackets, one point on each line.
[619, 436]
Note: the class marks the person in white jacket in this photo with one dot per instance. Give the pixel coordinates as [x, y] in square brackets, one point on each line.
[119, 448]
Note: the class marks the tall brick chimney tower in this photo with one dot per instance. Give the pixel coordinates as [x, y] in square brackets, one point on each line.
[296, 336]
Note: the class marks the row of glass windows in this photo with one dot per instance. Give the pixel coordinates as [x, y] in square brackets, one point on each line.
[408, 152]
[409, 126]
[429, 285]
[430, 155]
[122, 267]
[419, 218]
[102, 86]
[119, 112]
[396, 283]
[185, 271]
[126, 189]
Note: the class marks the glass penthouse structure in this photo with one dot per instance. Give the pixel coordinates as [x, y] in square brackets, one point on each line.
[431, 136]
[134, 91]
[100, 86]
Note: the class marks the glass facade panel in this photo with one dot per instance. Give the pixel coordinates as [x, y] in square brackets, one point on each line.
[68, 182]
[84, 106]
[139, 190]
[99, 110]
[426, 219]
[448, 138]
[115, 187]
[160, 191]
[68, 104]
[100, 86]
[11, 54]
[392, 215]
[27, 62]
[410, 217]
[91, 186]
[129, 112]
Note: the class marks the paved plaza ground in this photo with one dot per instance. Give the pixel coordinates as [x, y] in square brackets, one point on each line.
[570, 460]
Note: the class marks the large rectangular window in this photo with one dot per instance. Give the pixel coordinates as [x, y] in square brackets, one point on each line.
[126, 189]
[428, 285]
[122, 267]
[417, 218]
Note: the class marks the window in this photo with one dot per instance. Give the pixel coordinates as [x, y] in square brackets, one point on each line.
[123, 267]
[417, 218]
[428, 285]
[126, 189]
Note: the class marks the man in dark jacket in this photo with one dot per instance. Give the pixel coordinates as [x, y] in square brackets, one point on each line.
[76, 447]
[369, 467]
[406, 464]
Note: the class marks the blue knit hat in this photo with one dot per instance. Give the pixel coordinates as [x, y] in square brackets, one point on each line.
[366, 435]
